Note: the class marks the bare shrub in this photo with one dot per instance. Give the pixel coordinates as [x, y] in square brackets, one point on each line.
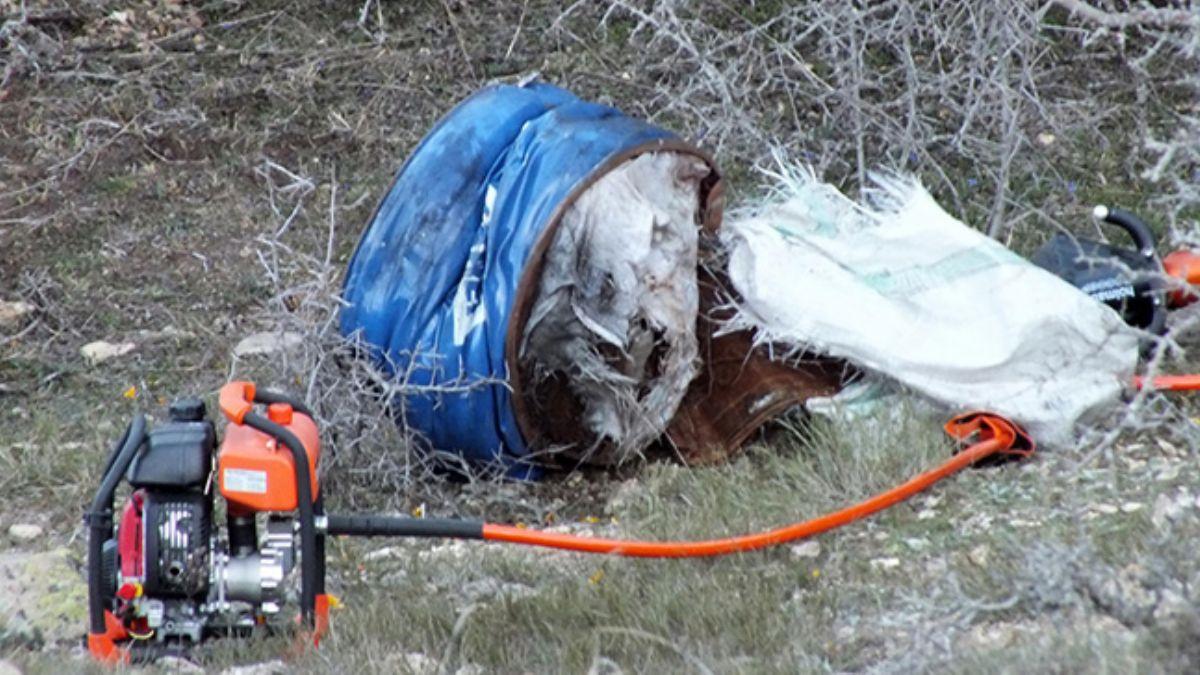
[1019, 115]
[1015, 113]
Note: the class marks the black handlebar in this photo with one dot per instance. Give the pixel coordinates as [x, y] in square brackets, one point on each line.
[100, 517]
[309, 566]
[1143, 238]
[1137, 228]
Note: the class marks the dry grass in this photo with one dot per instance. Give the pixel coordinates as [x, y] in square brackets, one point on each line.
[208, 166]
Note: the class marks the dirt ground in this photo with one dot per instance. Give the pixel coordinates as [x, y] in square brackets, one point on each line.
[176, 175]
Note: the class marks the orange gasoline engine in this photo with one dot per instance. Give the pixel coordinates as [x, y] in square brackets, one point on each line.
[167, 578]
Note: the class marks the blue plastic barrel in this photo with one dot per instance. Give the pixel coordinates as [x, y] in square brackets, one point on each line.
[453, 251]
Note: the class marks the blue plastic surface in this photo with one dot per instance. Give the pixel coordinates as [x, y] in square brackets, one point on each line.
[432, 283]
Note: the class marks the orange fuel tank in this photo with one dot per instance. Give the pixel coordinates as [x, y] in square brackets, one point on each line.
[257, 472]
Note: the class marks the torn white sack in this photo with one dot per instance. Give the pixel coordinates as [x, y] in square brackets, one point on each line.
[901, 288]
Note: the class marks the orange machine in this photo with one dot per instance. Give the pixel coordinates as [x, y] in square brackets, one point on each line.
[169, 577]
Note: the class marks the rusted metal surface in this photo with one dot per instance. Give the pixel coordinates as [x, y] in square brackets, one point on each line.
[740, 387]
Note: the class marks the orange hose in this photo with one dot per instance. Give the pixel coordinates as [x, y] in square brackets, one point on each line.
[1169, 382]
[750, 542]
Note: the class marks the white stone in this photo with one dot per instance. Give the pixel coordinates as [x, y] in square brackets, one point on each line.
[267, 343]
[1168, 473]
[9, 668]
[24, 532]
[885, 563]
[1170, 507]
[979, 555]
[807, 549]
[175, 664]
[12, 314]
[384, 553]
[412, 662]
[101, 351]
[276, 667]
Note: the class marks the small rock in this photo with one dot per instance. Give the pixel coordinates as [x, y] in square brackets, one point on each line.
[1168, 473]
[987, 637]
[807, 549]
[1169, 508]
[385, 553]
[276, 667]
[926, 514]
[980, 522]
[979, 555]
[1106, 509]
[484, 589]
[1046, 139]
[101, 351]
[175, 664]
[1132, 507]
[267, 343]
[419, 663]
[9, 668]
[24, 532]
[1168, 448]
[885, 563]
[411, 662]
[1134, 464]
[13, 314]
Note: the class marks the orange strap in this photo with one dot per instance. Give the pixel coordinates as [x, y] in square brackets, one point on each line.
[995, 435]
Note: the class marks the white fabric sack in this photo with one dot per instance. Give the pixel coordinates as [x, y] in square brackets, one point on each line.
[903, 289]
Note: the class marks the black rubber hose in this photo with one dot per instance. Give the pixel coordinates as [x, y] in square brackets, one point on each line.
[100, 516]
[389, 526]
[304, 505]
[269, 397]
